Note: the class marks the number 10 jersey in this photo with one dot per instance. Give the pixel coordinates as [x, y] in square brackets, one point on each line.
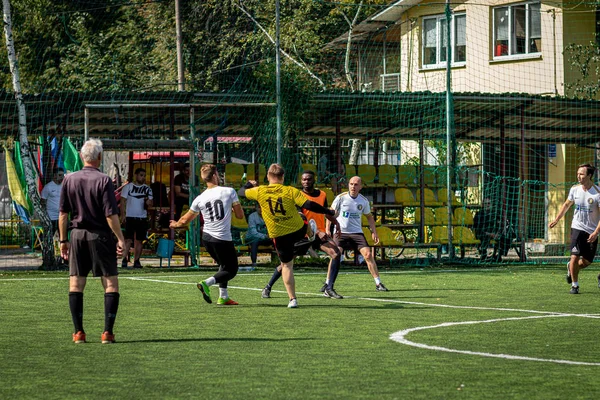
[216, 205]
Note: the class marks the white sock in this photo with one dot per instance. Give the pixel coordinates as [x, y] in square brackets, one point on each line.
[211, 281]
[223, 293]
[327, 281]
[377, 281]
[575, 284]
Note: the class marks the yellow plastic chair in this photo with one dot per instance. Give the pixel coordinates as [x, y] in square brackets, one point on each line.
[407, 175]
[387, 237]
[463, 216]
[233, 174]
[388, 175]
[238, 223]
[429, 216]
[441, 216]
[464, 235]
[367, 173]
[439, 234]
[428, 197]
[350, 171]
[405, 197]
[429, 175]
[442, 195]
[309, 167]
[262, 173]
[330, 195]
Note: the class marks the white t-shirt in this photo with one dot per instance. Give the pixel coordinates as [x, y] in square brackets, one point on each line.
[350, 211]
[136, 195]
[216, 205]
[587, 208]
[51, 193]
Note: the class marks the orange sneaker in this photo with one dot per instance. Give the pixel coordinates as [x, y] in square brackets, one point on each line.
[108, 338]
[226, 302]
[79, 337]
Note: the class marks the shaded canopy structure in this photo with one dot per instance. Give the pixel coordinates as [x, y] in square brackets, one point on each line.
[517, 126]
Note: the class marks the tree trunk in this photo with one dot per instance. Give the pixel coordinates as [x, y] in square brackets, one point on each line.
[39, 212]
[349, 44]
[355, 151]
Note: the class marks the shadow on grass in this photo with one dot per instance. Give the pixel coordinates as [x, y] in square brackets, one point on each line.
[182, 340]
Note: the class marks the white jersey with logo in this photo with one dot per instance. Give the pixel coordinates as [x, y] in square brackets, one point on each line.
[350, 211]
[51, 193]
[136, 195]
[587, 208]
[216, 205]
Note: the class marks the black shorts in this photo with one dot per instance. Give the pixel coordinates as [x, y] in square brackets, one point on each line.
[286, 245]
[94, 251]
[137, 227]
[580, 246]
[222, 251]
[352, 241]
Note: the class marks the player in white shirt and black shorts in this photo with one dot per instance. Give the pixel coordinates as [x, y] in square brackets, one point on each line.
[216, 204]
[350, 207]
[136, 197]
[585, 226]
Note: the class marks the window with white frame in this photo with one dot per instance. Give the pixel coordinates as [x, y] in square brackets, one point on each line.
[517, 30]
[435, 40]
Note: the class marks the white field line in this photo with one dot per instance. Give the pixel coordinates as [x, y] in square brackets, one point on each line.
[196, 275]
[383, 300]
[400, 337]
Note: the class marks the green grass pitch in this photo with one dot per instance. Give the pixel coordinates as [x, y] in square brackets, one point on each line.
[466, 333]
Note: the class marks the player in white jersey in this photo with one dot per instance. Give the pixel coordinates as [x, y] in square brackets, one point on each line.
[585, 226]
[350, 207]
[136, 197]
[216, 204]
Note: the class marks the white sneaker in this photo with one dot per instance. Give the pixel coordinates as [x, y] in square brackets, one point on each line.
[293, 303]
[313, 230]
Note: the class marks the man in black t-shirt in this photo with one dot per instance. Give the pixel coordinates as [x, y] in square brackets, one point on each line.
[88, 196]
[181, 186]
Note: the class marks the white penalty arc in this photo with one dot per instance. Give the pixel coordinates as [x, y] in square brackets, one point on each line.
[400, 337]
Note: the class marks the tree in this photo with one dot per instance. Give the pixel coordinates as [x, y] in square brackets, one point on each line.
[47, 246]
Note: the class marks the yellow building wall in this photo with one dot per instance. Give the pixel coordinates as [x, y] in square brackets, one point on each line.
[535, 75]
[579, 29]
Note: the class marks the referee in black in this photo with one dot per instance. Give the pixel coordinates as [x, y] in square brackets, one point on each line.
[89, 196]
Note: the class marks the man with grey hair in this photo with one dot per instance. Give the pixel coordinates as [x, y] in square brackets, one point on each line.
[89, 197]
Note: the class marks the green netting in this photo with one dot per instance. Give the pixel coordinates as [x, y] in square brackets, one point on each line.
[363, 92]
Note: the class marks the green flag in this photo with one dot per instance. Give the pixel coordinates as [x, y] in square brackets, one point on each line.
[71, 157]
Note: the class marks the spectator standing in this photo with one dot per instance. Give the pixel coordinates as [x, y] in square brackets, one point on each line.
[88, 196]
[136, 197]
[181, 187]
[51, 196]
[215, 205]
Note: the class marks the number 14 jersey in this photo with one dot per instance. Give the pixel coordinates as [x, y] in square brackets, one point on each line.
[216, 205]
[279, 207]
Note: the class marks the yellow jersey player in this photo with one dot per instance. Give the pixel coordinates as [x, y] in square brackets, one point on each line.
[284, 225]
